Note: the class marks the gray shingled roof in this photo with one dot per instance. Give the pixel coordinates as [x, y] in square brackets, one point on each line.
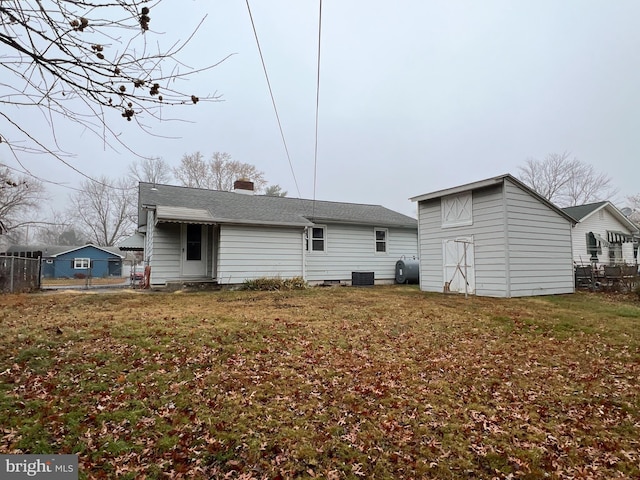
[231, 207]
[581, 211]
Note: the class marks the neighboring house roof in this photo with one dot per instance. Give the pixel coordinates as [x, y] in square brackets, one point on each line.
[133, 243]
[193, 205]
[52, 251]
[491, 182]
[583, 212]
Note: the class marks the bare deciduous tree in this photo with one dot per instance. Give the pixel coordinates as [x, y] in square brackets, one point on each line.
[152, 170]
[566, 181]
[192, 171]
[20, 198]
[75, 60]
[219, 173]
[60, 229]
[633, 202]
[105, 210]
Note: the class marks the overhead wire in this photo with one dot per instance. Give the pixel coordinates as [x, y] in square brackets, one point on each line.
[273, 101]
[315, 150]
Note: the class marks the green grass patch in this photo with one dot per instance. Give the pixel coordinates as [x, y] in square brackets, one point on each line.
[383, 382]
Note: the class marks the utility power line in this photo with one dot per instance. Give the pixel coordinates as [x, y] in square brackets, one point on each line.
[273, 101]
[315, 151]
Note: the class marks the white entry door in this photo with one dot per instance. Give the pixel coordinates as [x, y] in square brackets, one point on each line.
[459, 273]
[194, 250]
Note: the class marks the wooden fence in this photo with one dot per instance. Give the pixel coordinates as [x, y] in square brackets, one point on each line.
[19, 274]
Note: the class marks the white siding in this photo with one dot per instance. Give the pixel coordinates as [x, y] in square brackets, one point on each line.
[540, 251]
[490, 243]
[351, 248]
[165, 258]
[430, 245]
[250, 252]
[596, 224]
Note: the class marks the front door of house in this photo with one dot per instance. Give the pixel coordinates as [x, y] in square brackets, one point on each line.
[194, 250]
[459, 273]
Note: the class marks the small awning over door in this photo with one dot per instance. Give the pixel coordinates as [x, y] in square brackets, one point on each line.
[134, 243]
[183, 215]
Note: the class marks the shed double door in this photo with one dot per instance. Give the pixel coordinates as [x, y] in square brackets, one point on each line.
[458, 262]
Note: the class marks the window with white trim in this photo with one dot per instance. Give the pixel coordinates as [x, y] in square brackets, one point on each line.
[381, 235]
[81, 263]
[316, 239]
[457, 210]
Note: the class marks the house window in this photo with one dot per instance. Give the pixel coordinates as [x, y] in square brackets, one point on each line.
[593, 247]
[381, 240]
[615, 254]
[81, 263]
[318, 237]
[457, 210]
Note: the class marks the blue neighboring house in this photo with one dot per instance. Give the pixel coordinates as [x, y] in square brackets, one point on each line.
[74, 262]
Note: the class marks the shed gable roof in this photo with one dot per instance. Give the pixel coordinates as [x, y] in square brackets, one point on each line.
[488, 183]
[230, 207]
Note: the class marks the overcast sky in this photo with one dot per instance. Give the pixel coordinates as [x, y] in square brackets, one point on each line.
[415, 95]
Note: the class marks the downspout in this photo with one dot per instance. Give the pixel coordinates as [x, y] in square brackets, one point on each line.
[419, 249]
[505, 232]
[305, 233]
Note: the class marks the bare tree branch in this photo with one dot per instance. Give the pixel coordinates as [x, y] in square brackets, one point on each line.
[19, 198]
[152, 170]
[79, 60]
[219, 173]
[565, 181]
[105, 210]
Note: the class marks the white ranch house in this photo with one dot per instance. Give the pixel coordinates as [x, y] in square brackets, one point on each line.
[230, 237]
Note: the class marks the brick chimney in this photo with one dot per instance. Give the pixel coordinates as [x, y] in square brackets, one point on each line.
[243, 186]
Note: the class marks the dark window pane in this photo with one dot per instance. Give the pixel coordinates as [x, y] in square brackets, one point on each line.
[318, 245]
[380, 234]
[318, 233]
[381, 247]
[194, 242]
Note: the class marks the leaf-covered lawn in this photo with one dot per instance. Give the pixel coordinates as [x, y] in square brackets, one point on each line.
[384, 382]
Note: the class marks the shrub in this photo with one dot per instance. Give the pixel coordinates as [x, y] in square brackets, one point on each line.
[275, 284]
